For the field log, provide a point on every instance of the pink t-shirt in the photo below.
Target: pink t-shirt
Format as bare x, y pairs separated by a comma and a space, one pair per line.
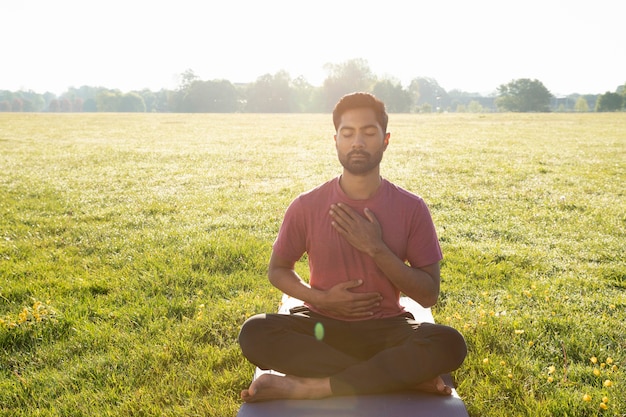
407, 229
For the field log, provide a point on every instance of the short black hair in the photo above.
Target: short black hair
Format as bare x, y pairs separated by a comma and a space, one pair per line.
360, 101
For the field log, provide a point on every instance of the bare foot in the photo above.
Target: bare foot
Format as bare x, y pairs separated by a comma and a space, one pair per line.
274, 387
435, 386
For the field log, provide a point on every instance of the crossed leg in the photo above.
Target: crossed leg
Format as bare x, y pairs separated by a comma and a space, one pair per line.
274, 387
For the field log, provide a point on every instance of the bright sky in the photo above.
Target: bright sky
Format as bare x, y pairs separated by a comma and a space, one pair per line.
571, 46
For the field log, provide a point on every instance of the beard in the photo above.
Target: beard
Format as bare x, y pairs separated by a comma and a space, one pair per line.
364, 164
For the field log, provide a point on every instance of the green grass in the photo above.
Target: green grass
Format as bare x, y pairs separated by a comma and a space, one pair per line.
132, 247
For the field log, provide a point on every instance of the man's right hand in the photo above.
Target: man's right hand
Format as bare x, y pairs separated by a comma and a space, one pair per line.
340, 301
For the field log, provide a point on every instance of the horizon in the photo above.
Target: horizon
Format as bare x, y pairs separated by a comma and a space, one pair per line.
491, 93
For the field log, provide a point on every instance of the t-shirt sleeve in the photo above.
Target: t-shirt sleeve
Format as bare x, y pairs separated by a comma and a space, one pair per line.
423, 246
290, 243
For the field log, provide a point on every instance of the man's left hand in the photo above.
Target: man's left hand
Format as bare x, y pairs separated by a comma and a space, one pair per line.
364, 233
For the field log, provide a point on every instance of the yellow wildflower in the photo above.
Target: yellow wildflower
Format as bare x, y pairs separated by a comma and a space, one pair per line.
23, 316
587, 398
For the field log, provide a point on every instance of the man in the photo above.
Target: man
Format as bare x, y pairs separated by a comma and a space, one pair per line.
367, 241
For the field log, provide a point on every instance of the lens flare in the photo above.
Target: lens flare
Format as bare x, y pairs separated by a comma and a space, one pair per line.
319, 331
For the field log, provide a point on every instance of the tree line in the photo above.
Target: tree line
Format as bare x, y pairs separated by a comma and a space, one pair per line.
279, 93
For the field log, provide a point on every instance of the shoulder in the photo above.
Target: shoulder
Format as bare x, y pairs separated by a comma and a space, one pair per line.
313, 199
402, 195
317, 193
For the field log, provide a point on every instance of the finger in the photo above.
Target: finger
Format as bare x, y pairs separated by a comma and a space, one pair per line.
365, 307
339, 215
370, 216
344, 212
339, 225
364, 296
338, 222
347, 210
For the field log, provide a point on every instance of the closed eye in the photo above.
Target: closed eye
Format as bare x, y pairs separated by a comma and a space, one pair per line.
347, 132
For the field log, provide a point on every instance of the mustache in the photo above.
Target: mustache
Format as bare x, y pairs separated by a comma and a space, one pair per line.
362, 153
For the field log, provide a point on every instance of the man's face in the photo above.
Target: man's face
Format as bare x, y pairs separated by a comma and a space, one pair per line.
360, 141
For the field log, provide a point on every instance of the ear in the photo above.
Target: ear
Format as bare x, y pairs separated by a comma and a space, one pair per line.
386, 139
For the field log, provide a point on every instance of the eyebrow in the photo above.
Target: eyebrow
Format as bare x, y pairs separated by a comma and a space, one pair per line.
371, 126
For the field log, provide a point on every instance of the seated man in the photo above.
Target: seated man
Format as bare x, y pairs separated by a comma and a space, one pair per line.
367, 241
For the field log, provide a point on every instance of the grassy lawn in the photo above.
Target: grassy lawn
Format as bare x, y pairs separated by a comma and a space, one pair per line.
132, 247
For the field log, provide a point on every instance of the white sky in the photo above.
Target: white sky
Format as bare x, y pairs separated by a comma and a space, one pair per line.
571, 46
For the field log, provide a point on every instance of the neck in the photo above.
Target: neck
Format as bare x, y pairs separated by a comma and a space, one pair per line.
360, 187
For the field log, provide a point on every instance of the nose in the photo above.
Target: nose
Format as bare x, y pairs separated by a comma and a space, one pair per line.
358, 142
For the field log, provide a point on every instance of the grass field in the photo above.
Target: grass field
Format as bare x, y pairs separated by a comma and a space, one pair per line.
132, 247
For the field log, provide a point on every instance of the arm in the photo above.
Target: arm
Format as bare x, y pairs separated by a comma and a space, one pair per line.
365, 234
338, 300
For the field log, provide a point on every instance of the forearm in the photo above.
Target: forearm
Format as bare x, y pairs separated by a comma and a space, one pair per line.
422, 285
339, 300
290, 283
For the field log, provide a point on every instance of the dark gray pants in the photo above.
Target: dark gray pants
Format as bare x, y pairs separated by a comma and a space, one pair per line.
362, 357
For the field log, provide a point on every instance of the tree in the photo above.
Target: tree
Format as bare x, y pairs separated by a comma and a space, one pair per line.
271, 94
149, 98
348, 77
84, 92
187, 78
54, 106
524, 95
17, 105
108, 101
66, 104
90, 105
78, 104
475, 107
581, 105
396, 99
427, 94
305, 97
609, 102
210, 97
175, 100
131, 103
622, 91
